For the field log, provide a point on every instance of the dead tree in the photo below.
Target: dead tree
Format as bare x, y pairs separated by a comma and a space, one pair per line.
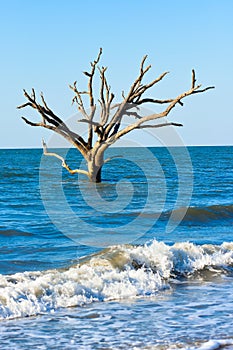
109, 126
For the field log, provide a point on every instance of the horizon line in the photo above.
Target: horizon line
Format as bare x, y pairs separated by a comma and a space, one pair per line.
150, 146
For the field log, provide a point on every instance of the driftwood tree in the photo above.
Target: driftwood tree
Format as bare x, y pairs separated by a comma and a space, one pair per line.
109, 126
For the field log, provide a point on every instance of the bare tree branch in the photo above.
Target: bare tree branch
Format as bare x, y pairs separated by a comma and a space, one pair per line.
172, 104
64, 164
51, 121
136, 91
141, 89
90, 122
193, 79
203, 90
110, 158
91, 97
78, 99
106, 97
158, 125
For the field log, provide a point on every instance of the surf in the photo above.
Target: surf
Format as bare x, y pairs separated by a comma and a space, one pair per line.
116, 273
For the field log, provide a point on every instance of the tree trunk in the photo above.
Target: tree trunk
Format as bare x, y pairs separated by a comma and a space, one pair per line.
94, 172
95, 164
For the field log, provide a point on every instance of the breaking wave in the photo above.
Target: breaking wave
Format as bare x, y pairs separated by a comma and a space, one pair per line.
204, 214
115, 273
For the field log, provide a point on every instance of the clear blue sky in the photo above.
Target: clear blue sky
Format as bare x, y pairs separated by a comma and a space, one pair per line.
47, 44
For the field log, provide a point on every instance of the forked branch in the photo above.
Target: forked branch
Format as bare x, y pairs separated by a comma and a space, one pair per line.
51, 121
172, 103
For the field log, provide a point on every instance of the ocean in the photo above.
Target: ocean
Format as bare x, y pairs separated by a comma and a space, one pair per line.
143, 260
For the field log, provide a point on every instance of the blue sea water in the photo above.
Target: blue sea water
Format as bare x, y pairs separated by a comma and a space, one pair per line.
143, 260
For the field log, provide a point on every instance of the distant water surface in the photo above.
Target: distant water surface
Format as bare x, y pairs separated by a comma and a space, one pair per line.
166, 289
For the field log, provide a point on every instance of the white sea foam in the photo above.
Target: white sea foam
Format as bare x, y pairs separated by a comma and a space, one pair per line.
217, 344
212, 344
115, 273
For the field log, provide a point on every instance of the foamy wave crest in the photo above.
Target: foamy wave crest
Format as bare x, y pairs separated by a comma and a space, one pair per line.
212, 344
118, 272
